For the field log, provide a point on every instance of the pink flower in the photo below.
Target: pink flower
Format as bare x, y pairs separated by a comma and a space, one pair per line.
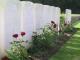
55, 25
52, 22
23, 33
65, 24
5, 58
15, 35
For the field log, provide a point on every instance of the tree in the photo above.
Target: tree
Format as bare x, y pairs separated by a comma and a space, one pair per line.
63, 4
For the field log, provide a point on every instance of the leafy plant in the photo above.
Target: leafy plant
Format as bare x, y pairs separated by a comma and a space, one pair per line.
44, 41
17, 51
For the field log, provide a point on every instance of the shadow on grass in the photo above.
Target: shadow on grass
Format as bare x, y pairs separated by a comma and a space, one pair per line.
61, 40
70, 50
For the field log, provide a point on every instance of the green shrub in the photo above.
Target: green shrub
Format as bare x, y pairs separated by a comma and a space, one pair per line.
43, 41
17, 51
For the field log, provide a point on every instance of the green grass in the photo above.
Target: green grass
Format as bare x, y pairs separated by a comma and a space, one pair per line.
72, 14
71, 49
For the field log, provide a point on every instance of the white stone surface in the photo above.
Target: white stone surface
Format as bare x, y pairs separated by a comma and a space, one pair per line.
2, 23
16, 16
38, 15
68, 16
57, 17
52, 13
27, 19
45, 16
12, 21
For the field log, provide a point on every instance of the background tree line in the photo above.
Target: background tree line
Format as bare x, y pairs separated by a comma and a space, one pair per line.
63, 4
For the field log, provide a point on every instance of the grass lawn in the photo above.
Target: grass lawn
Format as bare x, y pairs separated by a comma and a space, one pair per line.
71, 49
72, 14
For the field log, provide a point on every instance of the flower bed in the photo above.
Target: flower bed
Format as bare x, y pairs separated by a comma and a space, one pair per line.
43, 44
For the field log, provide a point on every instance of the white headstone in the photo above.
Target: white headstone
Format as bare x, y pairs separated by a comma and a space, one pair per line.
2, 23
27, 18
38, 15
68, 16
12, 21
45, 15
57, 17
52, 13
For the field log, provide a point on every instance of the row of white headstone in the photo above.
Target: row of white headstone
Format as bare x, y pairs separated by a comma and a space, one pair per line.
17, 16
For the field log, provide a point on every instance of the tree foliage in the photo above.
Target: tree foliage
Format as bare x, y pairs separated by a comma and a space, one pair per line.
63, 4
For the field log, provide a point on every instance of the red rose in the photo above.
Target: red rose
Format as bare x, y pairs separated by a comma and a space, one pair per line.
23, 33
52, 22
65, 24
15, 35
60, 30
5, 58
55, 25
